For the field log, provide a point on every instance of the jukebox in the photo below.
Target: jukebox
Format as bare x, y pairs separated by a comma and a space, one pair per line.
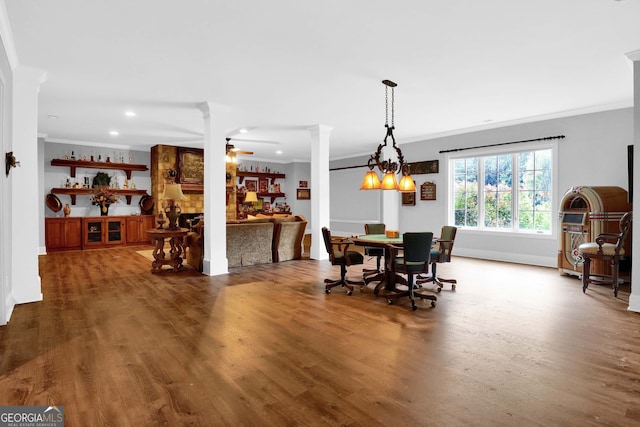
584, 213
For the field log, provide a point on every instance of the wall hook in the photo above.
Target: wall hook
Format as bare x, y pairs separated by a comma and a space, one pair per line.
10, 162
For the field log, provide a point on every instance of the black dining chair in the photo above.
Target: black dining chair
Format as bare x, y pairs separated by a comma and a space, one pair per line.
377, 275
339, 254
441, 253
416, 250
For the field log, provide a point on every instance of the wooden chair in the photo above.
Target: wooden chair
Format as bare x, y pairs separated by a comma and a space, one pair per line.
368, 274
339, 254
607, 247
416, 250
441, 254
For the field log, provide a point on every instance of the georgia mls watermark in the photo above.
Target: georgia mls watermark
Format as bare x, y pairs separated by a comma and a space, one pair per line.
31, 416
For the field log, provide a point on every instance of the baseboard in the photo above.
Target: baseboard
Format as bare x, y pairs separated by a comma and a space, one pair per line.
541, 261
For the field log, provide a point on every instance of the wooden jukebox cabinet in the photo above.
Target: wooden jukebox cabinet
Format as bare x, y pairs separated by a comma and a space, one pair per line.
584, 213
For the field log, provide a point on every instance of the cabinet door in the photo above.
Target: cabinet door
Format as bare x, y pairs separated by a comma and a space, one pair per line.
73, 233
137, 229
114, 232
63, 233
93, 231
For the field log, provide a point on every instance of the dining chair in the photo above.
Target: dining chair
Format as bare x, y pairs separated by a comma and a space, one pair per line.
608, 247
377, 275
416, 250
441, 253
339, 254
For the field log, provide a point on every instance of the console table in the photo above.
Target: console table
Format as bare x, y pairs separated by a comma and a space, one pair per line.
175, 237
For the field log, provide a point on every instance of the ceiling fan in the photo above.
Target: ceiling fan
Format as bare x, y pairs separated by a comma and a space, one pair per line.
231, 148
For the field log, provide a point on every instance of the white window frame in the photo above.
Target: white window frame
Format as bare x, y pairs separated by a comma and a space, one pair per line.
498, 150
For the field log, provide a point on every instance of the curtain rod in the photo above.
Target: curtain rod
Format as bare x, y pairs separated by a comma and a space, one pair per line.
503, 143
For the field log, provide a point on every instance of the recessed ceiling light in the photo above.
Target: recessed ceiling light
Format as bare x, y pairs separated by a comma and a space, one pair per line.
278, 151
243, 130
114, 133
130, 114
52, 117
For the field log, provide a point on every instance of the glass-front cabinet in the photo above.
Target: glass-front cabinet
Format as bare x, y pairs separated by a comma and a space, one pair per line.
103, 231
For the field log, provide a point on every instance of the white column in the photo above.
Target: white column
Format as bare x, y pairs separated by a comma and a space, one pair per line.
25, 196
215, 213
634, 298
320, 189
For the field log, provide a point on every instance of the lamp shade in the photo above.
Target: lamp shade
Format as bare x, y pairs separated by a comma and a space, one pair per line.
407, 184
389, 181
370, 181
173, 192
251, 196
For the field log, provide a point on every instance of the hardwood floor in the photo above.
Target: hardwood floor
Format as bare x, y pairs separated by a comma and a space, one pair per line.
264, 345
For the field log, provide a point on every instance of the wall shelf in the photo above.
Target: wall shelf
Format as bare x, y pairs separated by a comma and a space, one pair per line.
73, 192
73, 164
271, 176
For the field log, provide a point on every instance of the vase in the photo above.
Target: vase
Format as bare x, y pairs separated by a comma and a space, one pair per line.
104, 209
66, 210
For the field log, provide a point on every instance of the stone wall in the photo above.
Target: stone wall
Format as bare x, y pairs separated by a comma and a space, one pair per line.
164, 158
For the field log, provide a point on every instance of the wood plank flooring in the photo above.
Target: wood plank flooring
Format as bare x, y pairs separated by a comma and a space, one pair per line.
264, 345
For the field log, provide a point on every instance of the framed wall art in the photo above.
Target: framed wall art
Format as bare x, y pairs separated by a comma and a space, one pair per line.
251, 184
303, 194
409, 199
190, 166
428, 191
263, 185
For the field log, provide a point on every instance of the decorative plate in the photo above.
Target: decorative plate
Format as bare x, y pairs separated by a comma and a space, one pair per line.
146, 205
53, 202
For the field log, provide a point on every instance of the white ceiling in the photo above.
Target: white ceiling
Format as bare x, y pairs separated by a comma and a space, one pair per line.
280, 66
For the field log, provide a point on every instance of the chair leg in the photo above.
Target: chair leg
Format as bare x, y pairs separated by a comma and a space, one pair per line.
410, 292
343, 281
439, 281
586, 267
615, 269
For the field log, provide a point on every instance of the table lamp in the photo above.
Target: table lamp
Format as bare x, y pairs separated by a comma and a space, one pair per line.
251, 198
173, 192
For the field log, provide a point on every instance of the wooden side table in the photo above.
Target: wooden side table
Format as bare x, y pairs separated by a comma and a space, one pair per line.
176, 237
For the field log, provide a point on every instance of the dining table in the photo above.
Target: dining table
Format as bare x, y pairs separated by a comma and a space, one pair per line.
388, 277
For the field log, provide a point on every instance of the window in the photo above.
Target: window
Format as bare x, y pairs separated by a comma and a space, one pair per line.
503, 191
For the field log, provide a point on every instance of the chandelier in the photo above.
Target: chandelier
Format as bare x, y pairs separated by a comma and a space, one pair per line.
389, 168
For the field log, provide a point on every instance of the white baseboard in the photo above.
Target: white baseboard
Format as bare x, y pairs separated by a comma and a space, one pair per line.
550, 261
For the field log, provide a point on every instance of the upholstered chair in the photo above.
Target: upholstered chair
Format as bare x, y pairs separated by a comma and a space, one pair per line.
608, 247
339, 254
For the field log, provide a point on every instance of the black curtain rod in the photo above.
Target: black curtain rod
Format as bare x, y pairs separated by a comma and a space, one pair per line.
503, 143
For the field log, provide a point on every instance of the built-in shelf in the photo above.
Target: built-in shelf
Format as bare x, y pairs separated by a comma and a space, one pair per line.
268, 175
73, 192
73, 164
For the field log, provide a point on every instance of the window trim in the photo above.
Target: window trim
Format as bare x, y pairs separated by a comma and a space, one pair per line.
492, 151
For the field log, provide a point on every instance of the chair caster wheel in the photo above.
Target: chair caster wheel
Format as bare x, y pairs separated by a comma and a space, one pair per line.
439, 289
414, 307
433, 303
349, 293
390, 301
327, 291
453, 287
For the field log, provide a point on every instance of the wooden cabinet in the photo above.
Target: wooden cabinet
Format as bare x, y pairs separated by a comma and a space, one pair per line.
137, 227
63, 234
99, 232
74, 233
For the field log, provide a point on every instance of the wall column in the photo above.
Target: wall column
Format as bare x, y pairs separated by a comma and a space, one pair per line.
320, 189
25, 196
634, 298
215, 210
